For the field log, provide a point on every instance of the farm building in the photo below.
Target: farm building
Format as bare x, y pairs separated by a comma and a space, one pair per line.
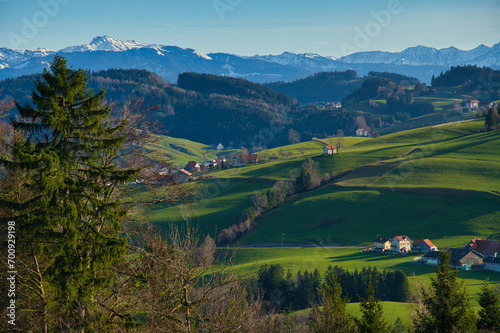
460, 258
487, 248
252, 159
492, 264
192, 166
423, 246
329, 150
382, 244
401, 244
472, 104
181, 176
362, 132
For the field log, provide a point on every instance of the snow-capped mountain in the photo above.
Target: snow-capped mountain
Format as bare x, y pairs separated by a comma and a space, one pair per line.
105, 52
105, 43
424, 56
10, 58
309, 60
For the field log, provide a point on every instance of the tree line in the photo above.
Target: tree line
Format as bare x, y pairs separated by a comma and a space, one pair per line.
308, 179
283, 290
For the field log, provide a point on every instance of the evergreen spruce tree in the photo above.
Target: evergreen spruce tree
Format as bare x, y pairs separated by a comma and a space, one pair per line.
372, 318
489, 315
491, 121
333, 317
446, 307
304, 180
70, 219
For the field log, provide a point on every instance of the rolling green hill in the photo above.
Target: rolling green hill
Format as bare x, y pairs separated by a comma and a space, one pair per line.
181, 151
427, 183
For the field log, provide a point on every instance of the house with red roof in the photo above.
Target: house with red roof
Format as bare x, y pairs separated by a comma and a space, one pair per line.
192, 166
423, 246
329, 150
401, 244
181, 176
488, 248
472, 104
252, 159
362, 132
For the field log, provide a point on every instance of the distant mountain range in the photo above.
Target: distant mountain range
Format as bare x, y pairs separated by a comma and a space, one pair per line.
168, 61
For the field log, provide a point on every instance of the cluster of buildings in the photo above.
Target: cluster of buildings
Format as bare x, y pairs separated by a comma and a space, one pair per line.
477, 252
403, 244
183, 175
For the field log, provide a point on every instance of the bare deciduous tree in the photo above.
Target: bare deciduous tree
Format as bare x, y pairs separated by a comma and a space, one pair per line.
340, 140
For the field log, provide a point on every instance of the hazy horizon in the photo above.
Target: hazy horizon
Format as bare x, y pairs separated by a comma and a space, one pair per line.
248, 28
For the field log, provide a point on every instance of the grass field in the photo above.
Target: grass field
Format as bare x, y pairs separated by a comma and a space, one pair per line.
441, 102
248, 261
223, 204
181, 151
344, 216
432, 119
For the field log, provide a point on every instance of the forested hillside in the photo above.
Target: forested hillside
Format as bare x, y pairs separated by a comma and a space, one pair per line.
332, 86
483, 83
214, 109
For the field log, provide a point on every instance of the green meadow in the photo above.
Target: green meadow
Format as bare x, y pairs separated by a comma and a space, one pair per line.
181, 151
248, 260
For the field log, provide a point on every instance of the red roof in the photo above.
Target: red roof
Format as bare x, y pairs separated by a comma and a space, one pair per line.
252, 157
485, 246
417, 242
361, 129
404, 237
474, 101
186, 172
330, 147
192, 164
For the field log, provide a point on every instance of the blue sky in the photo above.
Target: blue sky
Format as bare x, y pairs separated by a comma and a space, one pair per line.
248, 27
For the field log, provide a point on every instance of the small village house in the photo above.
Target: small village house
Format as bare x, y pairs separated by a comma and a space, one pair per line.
252, 158
472, 104
382, 244
329, 150
362, 132
460, 258
181, 176
192, 166
423, 246
401, 244
220, 146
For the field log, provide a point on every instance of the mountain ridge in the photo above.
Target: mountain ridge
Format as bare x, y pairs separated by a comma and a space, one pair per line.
105, 52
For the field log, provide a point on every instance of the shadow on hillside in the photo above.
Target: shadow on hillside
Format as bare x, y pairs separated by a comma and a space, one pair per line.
284, 167
466, 142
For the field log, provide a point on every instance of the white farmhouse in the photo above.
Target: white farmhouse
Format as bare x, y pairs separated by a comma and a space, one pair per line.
329, 150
